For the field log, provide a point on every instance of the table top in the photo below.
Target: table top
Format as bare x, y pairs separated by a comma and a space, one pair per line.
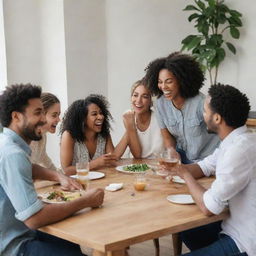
128, 216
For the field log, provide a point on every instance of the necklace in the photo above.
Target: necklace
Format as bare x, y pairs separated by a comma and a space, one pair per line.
142, 126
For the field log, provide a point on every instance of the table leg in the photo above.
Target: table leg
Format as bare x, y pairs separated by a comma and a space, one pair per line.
109, 253
177, 244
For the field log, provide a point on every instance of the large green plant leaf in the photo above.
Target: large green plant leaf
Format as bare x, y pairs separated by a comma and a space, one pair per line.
192, 17
212, 19
234, 20
234, 32
190, 8
200, 4
231, 47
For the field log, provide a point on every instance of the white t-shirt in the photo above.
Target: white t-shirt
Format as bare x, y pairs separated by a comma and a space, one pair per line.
151, 139
234, 164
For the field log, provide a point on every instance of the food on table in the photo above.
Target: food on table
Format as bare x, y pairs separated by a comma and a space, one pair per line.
136, 168
62, 196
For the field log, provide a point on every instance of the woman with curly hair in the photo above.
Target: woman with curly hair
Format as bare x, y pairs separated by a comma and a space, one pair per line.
85, 134
39, 155
176, 81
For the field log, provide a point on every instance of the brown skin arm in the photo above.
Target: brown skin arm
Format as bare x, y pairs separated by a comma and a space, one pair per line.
190, 173
66, 153
169, 140
51, 213
132, 135
121, 146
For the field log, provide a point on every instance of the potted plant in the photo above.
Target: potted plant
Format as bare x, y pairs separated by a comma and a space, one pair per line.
212, 19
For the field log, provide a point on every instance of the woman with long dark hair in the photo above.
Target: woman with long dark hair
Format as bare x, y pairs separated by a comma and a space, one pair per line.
86, 135
176, 81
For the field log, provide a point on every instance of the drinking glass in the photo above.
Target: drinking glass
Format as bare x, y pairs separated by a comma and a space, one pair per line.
168, 159
140, 182
82, 171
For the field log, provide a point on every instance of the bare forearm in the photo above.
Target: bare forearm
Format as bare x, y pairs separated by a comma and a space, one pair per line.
195, 170
70, 170
42, 173
134, 143
197, 191
121, 146
55, 212
169, 140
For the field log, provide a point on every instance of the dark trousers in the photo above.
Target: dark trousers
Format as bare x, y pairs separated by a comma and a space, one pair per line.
47, 245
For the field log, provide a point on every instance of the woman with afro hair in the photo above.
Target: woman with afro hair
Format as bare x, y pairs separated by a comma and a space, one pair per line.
86, 135
176, 81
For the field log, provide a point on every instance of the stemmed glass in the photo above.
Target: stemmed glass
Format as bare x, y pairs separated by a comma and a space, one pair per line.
82, 171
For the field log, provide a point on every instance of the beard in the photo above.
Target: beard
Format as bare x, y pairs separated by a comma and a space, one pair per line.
210, 131
29, 132
211, 128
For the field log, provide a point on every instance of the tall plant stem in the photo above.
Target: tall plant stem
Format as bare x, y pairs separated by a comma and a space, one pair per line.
216, 74
210, 74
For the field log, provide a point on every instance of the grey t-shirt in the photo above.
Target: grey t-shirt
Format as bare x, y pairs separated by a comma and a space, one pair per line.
81, 153
187, 126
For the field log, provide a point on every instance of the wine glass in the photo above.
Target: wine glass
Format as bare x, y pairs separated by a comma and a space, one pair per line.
82, 171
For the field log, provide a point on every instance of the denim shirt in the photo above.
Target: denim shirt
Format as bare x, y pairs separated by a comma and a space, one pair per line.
187, 126
18, 198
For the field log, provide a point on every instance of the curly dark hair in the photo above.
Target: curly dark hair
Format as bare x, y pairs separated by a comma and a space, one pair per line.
184, 67
15, 98
230, 103
73, 120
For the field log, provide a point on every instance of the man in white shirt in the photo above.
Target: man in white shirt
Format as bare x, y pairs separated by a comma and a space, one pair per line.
234, 164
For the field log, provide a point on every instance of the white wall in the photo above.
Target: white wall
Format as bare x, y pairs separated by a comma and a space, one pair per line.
138, 31
3, 71
35, 49
86, 56
74, 48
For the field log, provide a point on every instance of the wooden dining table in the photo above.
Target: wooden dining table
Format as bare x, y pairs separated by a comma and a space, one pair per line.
128, 216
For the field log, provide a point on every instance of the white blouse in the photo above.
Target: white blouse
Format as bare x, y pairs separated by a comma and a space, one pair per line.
151, 139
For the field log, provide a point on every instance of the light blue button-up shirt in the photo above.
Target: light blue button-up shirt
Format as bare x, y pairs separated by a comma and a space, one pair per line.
18, 198
187, 126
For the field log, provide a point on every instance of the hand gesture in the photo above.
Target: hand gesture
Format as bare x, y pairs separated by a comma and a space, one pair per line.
179, 170
107, 160
129, 120
68, 183
94, 197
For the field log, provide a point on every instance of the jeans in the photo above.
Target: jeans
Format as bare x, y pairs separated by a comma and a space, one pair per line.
184, 159
207, 241
45, 244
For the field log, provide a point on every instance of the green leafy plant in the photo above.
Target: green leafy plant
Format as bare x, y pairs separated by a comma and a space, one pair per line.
212, 19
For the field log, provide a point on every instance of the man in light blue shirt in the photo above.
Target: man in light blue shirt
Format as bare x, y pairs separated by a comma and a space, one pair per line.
21, 212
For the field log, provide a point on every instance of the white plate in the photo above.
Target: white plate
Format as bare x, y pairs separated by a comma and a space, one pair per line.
178, 179
121, 168
181, 199
44, 196
92, 175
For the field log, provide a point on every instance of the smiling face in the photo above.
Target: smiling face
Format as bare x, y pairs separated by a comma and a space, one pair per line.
95, 118
141, 99
31, 121
168, 84
52, 118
